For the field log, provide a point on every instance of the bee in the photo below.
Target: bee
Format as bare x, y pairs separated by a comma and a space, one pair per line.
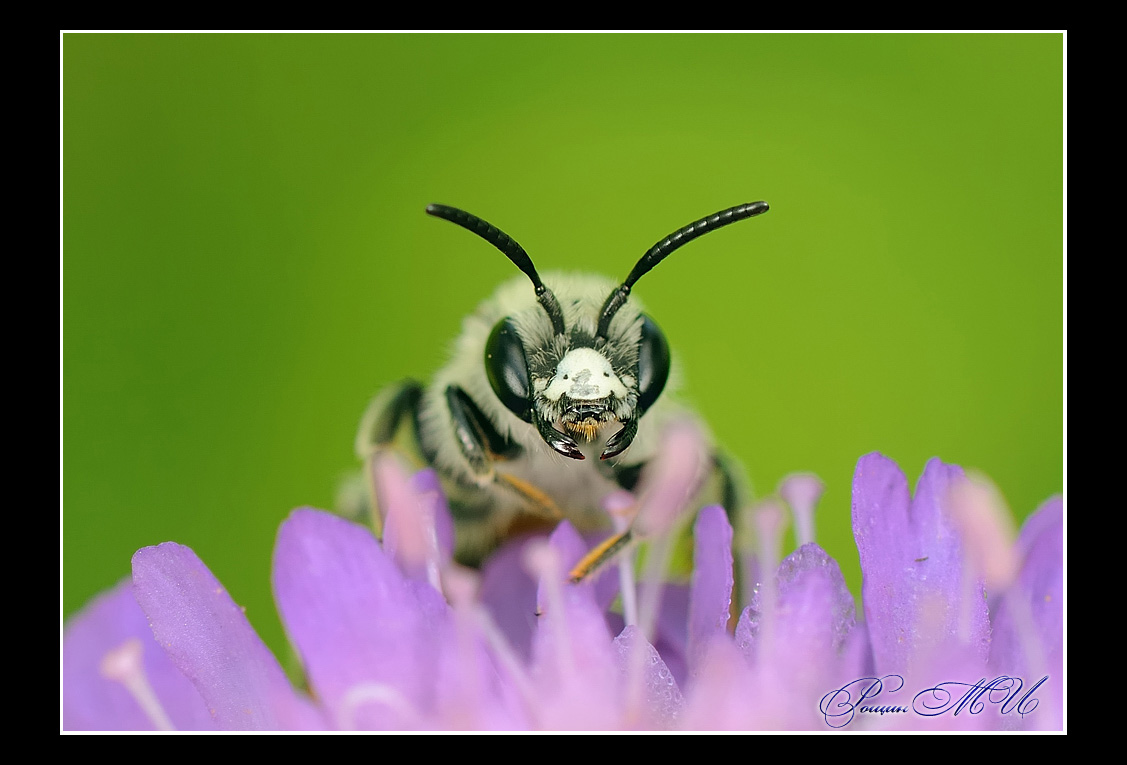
554, 397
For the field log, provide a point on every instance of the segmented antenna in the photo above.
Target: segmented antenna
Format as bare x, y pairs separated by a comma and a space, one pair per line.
663, 248
513, 252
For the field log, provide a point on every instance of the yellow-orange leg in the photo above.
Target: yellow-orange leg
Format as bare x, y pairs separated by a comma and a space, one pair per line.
601, 555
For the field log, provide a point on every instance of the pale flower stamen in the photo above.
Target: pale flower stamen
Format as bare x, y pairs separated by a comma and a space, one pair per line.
125, 665
543, 563
506, 656
987, 532
770, 522
802, 491
982, 520
622, 507
409, 532
381, 694
657, 565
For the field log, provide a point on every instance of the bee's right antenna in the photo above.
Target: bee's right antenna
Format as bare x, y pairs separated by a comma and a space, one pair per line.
659, 251
513, 252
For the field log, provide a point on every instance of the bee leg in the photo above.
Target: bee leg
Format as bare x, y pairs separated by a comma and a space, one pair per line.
482, 446
388, 422
723, 485
479, 441
385, 415
732, 490
627, 476
600, 555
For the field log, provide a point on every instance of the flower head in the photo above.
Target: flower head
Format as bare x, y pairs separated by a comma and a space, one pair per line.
392, 635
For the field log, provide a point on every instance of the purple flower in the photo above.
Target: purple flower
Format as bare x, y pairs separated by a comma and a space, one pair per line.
392, 635
924, 559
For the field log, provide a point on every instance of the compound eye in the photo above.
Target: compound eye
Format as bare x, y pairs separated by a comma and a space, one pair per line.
507, 369
653, 363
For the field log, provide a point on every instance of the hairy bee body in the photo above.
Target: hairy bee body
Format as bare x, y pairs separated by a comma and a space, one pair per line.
552, 399
486, 506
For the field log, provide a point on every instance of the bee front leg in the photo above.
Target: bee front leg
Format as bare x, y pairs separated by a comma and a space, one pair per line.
382, 420
482, 446
389, 422
730, 487
722, 485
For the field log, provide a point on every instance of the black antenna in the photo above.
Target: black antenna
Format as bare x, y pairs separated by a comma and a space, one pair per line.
661, 250
513, 252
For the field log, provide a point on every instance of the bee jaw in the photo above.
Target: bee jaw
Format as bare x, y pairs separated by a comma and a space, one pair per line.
585, 430
585, 420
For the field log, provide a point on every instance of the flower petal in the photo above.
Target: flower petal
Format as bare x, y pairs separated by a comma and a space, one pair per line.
508, 593
1028, 640
672, 640
429, 487
915, 598
573, 657
367, 635
417, 531
209, 639
672, 633
91, 701
809, 644
711, 600
814, 616
654, 691
723, 694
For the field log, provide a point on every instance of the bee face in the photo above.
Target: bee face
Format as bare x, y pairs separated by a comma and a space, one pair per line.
578, 388
584, 394
573, 378
584, 377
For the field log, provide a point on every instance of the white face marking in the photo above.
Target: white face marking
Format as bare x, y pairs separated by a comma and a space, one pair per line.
584, 374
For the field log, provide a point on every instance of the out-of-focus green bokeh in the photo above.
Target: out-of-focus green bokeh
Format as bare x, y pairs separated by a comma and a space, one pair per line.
246, 259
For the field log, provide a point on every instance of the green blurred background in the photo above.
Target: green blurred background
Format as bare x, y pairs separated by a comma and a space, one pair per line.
246, 259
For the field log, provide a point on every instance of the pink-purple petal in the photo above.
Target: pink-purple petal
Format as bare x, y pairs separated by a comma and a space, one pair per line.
508, 593
1028, 639
570, 548
915, 598
418, 529
1042, 571
574, 662
672, 633
91, 701
209, 639
712, 580
809, 643
818, 601
672, 639
654, 699
367, 635
724, 694
429, 488
583, 617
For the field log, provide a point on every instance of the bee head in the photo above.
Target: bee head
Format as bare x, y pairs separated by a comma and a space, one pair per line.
573, 384
576, 388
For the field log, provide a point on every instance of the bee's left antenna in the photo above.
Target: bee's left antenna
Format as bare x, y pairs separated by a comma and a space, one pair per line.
513, 252
659, 251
